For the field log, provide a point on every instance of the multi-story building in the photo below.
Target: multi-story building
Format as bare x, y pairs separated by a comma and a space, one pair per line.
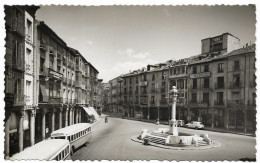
216, 87
105, 96
222, 87
99, 97
19, 78
47, 83
116, 95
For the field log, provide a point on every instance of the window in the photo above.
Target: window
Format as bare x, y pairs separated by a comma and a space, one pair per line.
152, 100
220, 83
174, 71
144, 77
236, 65
194, 97
130, 80
236, 81
194, 70
194, 83
221, 67
29, 29
163, 76
206, 97
182, 70
136, 80
51, 90
163, 85
220, 98
136, 89
153, 78
153, 87
206, 68
206, 82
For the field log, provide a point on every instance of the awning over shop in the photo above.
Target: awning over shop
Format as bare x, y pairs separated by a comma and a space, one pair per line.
91, 111
87, 110
94, 113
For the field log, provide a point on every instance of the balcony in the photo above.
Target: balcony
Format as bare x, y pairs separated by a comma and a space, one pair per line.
152, 103
183, 75
77, 68
144, 92
43, 46
59, 62
235, 104
69, 82
19, 100
54, 100
163, 102
59, 57
18, 27
18, 64
64, 80
44, 71
236, 68
198, 104
64, 62
235, 85
219, 86
143, 83
163, 90
78, 84
220, 103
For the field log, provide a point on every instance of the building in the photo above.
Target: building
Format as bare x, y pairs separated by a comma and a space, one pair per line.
116, 95
105, 96
47, 83
216, 87
99, 90
19, 78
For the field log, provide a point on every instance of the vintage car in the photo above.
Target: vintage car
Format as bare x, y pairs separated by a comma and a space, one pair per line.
195, 124
180, 123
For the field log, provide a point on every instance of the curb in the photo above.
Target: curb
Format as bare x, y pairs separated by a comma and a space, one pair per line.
207, 129
214, 145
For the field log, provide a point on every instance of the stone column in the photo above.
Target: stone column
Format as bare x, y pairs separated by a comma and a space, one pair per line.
20, 129
80, 116
227, 119
43, 124
148, 113
213, 118
66, 117
77, 116
245, 120
60, 117
32, 127
173, 125
53, 120
7, 135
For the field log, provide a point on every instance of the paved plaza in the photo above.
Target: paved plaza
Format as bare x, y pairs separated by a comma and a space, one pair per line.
112, 141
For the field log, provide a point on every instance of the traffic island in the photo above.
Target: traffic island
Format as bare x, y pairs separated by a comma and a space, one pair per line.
176, 147
171, 138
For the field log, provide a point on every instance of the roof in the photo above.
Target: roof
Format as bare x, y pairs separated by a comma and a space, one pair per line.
44, 150
212, 56
45, 27
72, 129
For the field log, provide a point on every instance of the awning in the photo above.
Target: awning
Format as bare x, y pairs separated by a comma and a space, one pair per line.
88, 111
94, 113
44, 94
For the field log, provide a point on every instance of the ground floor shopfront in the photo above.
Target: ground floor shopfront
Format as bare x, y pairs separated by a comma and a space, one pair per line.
25, 127
213, 117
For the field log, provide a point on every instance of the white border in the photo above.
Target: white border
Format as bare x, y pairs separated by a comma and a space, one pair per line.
117, 2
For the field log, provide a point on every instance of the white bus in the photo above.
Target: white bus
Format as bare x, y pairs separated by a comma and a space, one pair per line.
50, 149
77, 134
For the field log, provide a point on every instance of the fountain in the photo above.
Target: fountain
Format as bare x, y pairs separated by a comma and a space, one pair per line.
170, 136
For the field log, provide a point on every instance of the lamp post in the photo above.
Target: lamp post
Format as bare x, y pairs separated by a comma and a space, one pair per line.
173, 125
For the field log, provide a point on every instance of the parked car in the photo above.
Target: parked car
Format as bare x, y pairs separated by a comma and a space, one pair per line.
180, 123
195, 124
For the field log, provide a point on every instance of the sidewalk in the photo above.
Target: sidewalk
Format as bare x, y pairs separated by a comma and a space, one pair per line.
222, 130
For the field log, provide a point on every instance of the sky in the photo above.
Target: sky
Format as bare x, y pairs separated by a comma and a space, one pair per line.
117, 39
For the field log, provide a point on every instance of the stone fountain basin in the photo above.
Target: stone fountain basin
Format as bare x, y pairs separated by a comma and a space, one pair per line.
183, 139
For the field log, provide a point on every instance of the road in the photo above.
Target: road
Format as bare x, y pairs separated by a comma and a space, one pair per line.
112, 141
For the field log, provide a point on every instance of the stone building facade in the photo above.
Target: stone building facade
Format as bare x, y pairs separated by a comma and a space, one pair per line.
47, 83
216, 87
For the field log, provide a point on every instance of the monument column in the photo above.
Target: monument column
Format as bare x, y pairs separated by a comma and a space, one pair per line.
173, 124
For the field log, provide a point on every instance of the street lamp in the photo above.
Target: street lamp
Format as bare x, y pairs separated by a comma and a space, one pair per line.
173, 125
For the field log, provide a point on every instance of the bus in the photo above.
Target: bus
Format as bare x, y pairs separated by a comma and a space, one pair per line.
77, 134
51, 149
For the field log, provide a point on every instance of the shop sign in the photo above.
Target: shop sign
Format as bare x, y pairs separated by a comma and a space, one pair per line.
200, 75
55, 74
144, 83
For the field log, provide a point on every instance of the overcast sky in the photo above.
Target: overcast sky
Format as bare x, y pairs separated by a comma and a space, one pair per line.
117, 39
